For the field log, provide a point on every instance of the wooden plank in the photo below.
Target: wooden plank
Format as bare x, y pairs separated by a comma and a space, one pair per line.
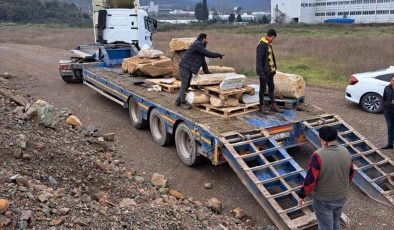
15, 98
225, 94
81, 54
229, 112
168, 85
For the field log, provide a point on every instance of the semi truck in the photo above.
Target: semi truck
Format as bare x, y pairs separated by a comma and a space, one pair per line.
254, 145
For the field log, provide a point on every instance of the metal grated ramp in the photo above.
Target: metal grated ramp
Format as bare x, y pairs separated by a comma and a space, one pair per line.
374, 171
271, 175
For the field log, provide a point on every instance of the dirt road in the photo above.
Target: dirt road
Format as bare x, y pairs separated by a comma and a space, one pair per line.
36, 68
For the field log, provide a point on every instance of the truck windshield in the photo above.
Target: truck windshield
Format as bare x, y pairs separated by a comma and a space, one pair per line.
151, 24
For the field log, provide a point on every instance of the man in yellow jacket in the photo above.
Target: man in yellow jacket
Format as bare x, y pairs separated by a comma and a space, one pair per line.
266, 70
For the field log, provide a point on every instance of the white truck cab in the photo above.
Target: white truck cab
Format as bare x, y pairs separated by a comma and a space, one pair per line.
121, 21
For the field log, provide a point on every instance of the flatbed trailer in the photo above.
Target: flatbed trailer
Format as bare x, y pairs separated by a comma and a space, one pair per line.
254, 145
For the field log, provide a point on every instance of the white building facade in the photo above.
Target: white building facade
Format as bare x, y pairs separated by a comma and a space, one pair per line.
317, 11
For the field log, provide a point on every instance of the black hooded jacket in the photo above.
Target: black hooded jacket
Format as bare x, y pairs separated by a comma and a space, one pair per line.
388, 97
194, 58
262, 63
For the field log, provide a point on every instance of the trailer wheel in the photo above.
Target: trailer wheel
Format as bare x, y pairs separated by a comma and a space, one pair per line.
135, 115
186, 145
158, 128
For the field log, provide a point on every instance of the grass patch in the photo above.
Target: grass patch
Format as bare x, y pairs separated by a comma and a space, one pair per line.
313, 72
322, 30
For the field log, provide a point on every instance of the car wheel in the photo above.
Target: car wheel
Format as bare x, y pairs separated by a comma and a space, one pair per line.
372, 103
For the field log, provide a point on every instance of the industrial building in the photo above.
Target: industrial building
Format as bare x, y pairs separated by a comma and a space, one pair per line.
320, 11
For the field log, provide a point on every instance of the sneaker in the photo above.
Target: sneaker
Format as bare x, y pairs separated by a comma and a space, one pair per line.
388, 146
186, 106
177, 103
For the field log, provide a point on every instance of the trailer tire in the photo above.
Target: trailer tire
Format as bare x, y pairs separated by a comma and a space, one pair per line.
186, 145
158, 128
135, 115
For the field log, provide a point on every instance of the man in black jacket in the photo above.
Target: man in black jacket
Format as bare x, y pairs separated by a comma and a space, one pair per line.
190, 64
266, 69
388, 100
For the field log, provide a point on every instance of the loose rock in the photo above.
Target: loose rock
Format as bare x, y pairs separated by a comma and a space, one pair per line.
215, 205
109, 137
73, 120
238, 213
175, 194
159, 180
208, 185
127, 203
26, 215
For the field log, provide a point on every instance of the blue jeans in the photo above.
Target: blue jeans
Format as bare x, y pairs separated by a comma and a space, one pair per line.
328, 213
389, 116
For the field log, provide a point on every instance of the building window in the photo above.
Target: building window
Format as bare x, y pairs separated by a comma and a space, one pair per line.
382, 1
321, 3
356, 2
332, 3
343, 2
369, 1
368, 12
382, 12
330, 14
320, 14
343, 13
355, 13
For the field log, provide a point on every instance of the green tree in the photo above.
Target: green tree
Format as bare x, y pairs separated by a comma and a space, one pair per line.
231, 18
205, 11
239, 18
264, 20
199, 11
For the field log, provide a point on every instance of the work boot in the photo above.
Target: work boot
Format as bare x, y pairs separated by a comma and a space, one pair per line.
275, 108
3, 205
186, 106
388, 146
263, 109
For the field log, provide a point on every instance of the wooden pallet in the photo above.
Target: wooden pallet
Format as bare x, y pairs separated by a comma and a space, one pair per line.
231, 111
225, 94
168, 85
287, 102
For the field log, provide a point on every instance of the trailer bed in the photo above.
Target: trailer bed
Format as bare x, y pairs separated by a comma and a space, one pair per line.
255, 146
214, 123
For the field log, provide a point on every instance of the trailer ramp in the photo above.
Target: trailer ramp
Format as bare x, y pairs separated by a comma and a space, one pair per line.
271, 175
374, 171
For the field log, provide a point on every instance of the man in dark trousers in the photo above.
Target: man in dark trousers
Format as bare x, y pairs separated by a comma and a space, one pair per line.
266, 69
328, 178
190, 64
388, 103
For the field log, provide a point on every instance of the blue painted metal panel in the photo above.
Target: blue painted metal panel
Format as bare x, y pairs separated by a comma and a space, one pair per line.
266, 121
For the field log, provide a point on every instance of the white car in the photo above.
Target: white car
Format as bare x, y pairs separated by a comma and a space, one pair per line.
367, 89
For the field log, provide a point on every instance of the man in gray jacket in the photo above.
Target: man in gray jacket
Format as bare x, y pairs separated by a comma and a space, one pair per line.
190, 64
329, 176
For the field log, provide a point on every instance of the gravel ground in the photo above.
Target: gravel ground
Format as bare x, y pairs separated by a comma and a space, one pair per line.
38, 66
70, 177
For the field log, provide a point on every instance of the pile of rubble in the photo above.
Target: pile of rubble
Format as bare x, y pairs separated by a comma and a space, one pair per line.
57, 174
